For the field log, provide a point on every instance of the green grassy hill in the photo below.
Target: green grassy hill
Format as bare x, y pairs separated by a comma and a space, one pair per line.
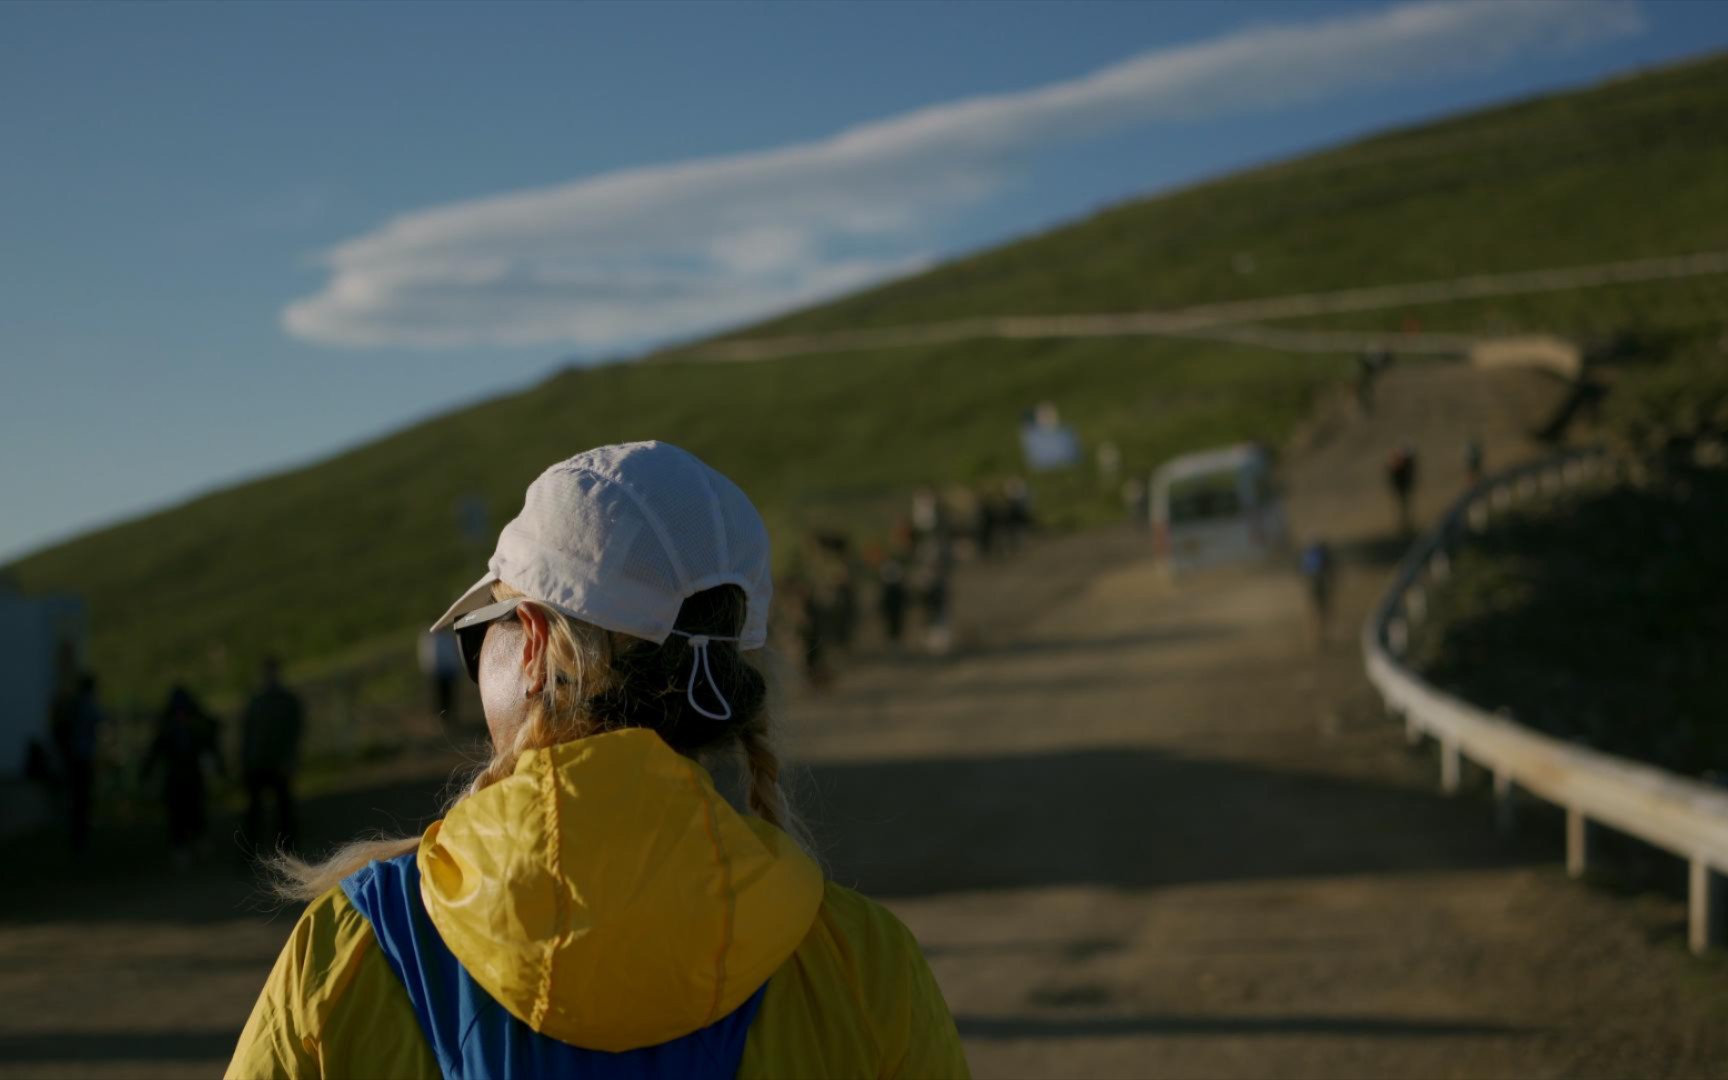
1635, 167
337, 564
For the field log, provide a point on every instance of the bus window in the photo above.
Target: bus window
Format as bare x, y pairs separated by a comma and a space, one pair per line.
1205, 498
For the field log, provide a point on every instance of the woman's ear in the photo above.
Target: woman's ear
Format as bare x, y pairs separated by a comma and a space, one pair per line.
536, 635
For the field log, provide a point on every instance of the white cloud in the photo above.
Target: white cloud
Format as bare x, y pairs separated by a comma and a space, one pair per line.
655, 253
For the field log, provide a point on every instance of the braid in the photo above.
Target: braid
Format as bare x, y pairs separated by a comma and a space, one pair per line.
764, 795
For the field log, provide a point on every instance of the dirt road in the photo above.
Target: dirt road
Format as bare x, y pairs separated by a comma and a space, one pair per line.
1146, 831
1142, 829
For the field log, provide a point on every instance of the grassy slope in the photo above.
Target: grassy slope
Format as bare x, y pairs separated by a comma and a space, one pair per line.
358, 552
1637, 167
346, 558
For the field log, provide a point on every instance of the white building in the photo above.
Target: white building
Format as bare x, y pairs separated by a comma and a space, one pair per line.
33, 631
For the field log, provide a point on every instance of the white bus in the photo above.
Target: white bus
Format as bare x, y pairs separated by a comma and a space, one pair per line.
1216, 507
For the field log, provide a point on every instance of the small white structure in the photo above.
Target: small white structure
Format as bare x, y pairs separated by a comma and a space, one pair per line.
34, 630
1216, 507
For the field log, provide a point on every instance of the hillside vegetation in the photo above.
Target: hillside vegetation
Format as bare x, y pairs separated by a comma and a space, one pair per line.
1636, 167
1599, 619
342, 561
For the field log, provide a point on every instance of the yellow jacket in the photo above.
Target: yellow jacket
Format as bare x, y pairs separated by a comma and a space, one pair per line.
606, 896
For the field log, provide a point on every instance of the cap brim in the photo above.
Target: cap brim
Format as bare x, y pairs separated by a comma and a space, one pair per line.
477, 596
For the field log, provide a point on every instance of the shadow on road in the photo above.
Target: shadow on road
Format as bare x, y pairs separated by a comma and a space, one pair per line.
127, 875
1142, 639
1031, 1027
199, 1047
1379, 552
1126, 818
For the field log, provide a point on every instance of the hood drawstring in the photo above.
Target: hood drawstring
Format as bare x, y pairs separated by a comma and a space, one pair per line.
699, 666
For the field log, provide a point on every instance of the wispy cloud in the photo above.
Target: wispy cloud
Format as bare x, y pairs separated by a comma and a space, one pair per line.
655, 253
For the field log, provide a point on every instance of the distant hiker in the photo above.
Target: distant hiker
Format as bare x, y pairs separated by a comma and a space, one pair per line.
929, 516
1137, 501
184, 742
992, 520
1401, 478
891, 591
809, 622
1370, 363
269, 754
441, 663
930, 579
1317, 571
1019, 519
834, 587
1473, 459
77, 719
932, 563
591, 904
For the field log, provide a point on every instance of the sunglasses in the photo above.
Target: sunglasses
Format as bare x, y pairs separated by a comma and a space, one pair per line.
471, 631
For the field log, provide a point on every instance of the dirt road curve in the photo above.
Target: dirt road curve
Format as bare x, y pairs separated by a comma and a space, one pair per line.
1142, 829
1147, 833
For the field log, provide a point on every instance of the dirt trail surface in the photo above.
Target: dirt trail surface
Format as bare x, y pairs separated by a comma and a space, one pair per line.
1142, 829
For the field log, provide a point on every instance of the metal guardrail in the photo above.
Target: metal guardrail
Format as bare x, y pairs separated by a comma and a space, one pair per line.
1683, 816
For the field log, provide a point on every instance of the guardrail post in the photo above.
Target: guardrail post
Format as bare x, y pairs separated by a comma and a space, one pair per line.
1705, 913
1416, 604
1412, 731
1397, 637
1505, 802
1577, 843
1451, 766
1440, 566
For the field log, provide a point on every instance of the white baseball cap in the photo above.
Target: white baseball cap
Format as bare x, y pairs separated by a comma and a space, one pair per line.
620, 536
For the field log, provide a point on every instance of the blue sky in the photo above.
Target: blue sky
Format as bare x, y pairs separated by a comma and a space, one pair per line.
235, 238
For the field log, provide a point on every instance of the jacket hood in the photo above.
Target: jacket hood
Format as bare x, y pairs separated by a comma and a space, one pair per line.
607, 896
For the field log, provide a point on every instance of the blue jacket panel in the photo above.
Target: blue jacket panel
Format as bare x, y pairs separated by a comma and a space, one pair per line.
473, 1037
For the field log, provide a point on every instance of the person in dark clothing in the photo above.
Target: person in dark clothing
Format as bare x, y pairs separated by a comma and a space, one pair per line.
835, 587
77, 717
1017, 520
891, 575
1370, 364
269, 751
809, 620
992, 516
1317, 575
932, 561
185, 737
1401, 476
1473, 459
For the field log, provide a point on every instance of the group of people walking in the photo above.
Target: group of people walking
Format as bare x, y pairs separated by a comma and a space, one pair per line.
181, 756
909, 577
